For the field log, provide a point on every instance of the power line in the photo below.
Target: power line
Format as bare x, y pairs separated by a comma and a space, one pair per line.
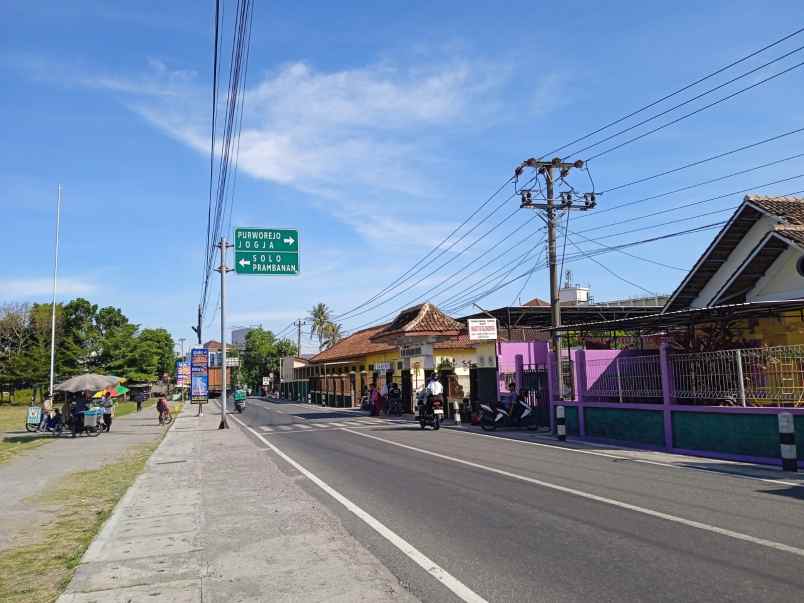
701, 161
703, 183
694, 203
611, 271
695, 112
396, 281
581, 256
676, 92
690, 100
449, 261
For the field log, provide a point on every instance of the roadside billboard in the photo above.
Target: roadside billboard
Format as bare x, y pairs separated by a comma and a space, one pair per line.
182, 373
199, 376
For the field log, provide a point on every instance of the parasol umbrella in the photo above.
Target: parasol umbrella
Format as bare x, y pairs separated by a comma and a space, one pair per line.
114, 391
90, 382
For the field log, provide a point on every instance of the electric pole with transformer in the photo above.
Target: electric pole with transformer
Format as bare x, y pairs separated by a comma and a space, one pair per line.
546, 169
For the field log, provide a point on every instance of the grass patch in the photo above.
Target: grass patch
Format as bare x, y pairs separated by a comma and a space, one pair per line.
126, 408
39, 570
12, 419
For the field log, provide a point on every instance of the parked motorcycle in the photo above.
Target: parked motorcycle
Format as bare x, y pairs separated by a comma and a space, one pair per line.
429, 409
395, 401
520, 415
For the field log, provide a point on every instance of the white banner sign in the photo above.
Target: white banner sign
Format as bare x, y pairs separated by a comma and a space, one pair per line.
482, 329
266, 381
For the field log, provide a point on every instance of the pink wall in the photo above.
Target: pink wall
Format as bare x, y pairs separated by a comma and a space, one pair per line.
532, 352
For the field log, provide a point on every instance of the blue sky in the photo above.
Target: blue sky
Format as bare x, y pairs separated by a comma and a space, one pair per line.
375, 129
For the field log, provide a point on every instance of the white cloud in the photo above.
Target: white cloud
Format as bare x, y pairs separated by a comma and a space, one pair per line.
26, 288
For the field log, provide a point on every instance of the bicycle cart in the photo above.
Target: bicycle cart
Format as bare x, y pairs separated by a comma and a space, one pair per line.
33, 418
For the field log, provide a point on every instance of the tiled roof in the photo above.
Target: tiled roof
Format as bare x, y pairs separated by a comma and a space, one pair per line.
538, 302
360, 344
795, 235
357, 344
424, 319
789, 209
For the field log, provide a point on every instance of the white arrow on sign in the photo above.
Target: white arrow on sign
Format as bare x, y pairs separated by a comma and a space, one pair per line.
244, 262
289, 240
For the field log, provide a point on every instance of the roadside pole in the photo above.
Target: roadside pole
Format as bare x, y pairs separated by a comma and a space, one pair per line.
545, 169
223, 269
53, 309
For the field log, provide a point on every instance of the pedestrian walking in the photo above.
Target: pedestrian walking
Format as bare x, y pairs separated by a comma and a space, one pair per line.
108, 411
375, 400
139, 400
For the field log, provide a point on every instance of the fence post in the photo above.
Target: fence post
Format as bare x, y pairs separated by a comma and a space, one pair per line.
787, 442
665, 370
619, 379
561, 423
740, 382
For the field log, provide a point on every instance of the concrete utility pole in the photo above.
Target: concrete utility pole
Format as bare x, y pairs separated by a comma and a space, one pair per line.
197, 328
298, 324
546, 169
223, 269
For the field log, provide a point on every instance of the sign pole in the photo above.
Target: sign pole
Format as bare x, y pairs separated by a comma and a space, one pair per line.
223, 269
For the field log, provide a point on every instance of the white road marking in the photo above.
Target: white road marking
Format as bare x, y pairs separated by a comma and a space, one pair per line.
601, 499
266, 428
460, 590
304, 427
339, 424
620, 457
285, 427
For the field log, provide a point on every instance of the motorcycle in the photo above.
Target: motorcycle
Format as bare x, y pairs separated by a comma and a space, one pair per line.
520, 415
395, 403
430, 411
240, 400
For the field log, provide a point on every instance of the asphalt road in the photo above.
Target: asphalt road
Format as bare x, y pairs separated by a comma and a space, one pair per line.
517, 522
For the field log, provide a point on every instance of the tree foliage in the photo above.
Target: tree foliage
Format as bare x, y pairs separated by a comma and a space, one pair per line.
262, 355
88, 339
323, 327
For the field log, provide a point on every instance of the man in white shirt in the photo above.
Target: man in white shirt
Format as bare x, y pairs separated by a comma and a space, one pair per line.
434, 388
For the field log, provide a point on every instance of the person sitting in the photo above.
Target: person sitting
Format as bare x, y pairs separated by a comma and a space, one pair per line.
435, 391
56, 422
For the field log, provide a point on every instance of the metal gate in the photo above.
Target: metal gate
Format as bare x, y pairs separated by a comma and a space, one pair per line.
534, 382
407, 391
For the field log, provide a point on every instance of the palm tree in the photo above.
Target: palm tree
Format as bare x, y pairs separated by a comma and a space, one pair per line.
320, 317
332, 334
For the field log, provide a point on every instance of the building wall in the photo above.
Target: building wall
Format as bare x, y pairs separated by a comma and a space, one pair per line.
732, 263
781, 281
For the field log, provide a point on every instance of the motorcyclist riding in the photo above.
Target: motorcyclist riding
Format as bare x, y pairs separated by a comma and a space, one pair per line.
435, 391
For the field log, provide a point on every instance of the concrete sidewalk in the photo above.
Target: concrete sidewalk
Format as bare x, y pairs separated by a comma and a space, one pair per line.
213, 518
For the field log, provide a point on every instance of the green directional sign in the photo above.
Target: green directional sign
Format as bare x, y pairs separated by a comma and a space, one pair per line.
266, 251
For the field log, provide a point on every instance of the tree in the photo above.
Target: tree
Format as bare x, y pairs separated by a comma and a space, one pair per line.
321, 318
332, 335
79, 347
151, 356
262, 355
